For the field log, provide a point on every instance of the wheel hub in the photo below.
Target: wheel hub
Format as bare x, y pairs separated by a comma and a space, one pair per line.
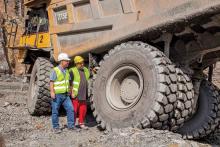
129, 89
124, 88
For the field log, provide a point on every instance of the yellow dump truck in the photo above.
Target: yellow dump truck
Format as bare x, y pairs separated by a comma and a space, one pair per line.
150, 56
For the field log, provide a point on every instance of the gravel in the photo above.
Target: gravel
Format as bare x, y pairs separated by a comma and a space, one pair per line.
22, 130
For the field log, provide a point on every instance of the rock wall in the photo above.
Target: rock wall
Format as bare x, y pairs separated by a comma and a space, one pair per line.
10, 9
4, 68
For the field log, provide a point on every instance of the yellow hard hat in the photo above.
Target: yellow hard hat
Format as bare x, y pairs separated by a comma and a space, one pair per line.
78, 59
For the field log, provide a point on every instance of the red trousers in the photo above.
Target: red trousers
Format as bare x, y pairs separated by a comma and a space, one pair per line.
80, 108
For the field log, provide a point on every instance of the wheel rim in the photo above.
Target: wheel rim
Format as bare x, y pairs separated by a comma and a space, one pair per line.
124, 88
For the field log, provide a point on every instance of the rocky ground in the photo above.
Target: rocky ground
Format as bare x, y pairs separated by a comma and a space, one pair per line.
22, 130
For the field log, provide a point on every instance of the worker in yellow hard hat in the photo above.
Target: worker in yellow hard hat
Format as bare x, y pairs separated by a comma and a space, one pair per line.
78, 59
79, 84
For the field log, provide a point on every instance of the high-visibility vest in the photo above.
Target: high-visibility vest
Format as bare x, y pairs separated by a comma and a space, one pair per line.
61, 85
76, 80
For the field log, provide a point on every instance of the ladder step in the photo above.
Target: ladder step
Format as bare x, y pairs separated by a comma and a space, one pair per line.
13, 33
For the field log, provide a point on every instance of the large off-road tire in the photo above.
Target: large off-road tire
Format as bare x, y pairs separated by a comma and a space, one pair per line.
38, 93
205, 119
216, 81
218, 127
183, 107
135, 86
213, 137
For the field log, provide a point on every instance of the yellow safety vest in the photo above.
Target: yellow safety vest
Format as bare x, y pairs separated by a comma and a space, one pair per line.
61, 85
76, 80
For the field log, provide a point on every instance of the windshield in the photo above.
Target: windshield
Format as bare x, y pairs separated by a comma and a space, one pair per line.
37, 21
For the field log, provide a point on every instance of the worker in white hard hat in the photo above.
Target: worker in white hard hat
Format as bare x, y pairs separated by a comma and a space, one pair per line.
60, 93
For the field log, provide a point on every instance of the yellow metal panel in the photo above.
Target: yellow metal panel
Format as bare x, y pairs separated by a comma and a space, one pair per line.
43, 40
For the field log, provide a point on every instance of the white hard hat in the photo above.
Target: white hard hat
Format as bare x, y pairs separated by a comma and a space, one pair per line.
63, 56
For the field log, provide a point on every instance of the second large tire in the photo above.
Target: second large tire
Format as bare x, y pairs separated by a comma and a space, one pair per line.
205, 119
38, 93
153, 83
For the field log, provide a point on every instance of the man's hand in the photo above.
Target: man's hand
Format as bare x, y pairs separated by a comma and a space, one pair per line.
70, 90
94, 70
52, 94
72, 96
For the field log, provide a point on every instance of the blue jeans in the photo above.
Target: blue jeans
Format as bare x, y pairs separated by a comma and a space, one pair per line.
62, 99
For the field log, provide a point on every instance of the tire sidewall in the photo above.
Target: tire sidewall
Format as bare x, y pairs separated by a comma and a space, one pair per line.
32, 98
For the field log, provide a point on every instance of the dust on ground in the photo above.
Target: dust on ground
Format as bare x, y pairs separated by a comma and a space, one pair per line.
22, 130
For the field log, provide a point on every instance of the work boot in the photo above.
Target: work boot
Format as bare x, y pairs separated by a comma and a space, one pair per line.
83, 127
57, 130
74, 129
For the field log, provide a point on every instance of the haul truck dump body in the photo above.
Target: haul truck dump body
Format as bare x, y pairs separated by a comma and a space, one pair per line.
92, 24
149, 56
80, 26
